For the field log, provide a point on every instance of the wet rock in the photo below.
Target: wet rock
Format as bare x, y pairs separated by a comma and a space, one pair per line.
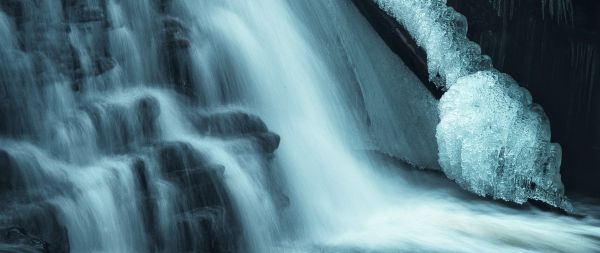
148, 202
237, 124
175, 33
268, 141
202, 186
174, 24
34, 225
13, 8
103, 64
16, 239
399, 41
178, 41
179, 156
149, 108
207, 219
10, 180
148, 112
73, 68
140, 172
174, 37
84, 13
121, 127
194, 175
209, 229
179, 68
113, 124
163, 5
5, 165
25, 209
233, 123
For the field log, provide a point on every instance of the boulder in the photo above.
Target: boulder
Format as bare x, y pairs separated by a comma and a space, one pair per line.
206, 218
237, 124
231, 123
209, 229
148, 111
202, 186
268, 141
175, 33
193, 173
179, 156
16, 239
103, 64
34, 225
25, 210
174, 37
148, 203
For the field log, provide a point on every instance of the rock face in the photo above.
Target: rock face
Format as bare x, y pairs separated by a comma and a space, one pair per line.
203, 218
123, 126
174, 36
27, 222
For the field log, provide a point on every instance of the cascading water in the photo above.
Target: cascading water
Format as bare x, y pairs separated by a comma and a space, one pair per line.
133, 126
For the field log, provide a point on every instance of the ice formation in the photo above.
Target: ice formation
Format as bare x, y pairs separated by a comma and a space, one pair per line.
492, 139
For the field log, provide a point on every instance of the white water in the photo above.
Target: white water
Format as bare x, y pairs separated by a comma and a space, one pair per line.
337, 200
317, 74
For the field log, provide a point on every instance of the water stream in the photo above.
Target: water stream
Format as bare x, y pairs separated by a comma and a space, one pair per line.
233, 126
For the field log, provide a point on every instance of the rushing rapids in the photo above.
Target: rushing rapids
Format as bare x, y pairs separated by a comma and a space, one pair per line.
232, 126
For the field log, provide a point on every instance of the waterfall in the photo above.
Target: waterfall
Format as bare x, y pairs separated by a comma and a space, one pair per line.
230, 126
